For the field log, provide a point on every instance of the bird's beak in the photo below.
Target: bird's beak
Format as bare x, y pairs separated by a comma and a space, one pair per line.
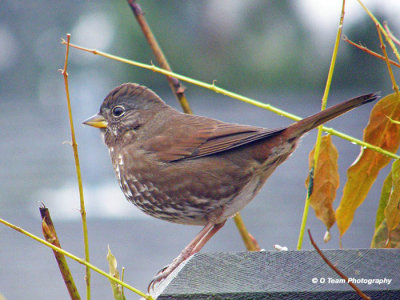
97, 121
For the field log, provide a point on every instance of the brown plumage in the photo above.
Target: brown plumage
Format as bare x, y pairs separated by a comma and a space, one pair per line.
189, 169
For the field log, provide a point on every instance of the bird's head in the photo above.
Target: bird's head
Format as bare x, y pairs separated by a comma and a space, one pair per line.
125, 109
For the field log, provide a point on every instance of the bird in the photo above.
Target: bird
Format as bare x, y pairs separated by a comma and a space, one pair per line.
191, 169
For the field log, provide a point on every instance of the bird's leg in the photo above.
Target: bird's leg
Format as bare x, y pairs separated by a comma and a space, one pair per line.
207, 237
193, 247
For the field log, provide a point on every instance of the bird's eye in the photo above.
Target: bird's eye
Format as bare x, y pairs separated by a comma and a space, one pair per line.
118, 111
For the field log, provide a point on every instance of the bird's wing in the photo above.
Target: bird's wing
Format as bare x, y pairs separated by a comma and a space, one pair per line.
199, 136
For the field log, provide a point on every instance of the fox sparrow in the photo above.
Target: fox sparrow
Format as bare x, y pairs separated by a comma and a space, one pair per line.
189, 169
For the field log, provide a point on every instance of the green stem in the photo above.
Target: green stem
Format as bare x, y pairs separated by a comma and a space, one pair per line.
248, 100
78, 171
79, 260
320, 128
387, 37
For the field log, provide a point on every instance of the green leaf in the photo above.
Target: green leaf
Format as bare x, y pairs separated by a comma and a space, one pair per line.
385, 193
381, 238
387, 229
392, 210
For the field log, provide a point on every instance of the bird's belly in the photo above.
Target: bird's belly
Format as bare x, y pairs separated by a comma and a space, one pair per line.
185, 209
150, 199
239, 201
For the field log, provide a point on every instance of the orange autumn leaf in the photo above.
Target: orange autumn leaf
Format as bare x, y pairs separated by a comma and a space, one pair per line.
383, 133
326, 181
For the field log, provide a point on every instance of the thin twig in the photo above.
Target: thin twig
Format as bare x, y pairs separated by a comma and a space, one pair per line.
176, 87
390, 34
236, 96
383, 47
365, 49
392, 45
49, 233
320, 129
79, 260
327, 261
78, 169
173, 82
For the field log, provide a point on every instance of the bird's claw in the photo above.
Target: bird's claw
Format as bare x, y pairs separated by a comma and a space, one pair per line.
158, 278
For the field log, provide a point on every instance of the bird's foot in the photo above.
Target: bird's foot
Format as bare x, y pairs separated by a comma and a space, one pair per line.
194, 246
166, 271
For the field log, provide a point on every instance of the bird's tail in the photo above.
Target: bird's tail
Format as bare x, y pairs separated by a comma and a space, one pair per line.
301, 127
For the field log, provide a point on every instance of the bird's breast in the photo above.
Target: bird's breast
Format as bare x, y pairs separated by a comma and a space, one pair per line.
147, 186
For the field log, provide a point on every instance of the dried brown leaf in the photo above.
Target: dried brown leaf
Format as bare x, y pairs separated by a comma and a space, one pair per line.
326, 181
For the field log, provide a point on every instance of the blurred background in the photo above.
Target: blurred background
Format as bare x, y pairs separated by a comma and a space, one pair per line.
277, 52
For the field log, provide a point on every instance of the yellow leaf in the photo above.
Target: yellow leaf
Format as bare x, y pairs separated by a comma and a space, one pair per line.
118, 291
326, 181
381, 132
392, 210
112, 264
